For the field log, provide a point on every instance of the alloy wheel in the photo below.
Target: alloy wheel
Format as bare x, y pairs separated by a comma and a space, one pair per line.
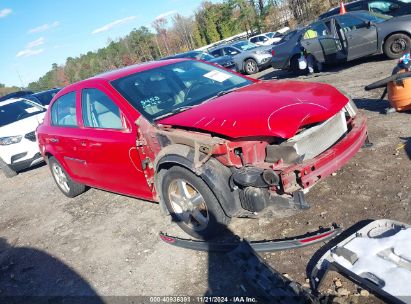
61, 178
188, 204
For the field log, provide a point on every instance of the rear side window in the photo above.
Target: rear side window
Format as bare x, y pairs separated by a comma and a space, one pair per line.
63, 111
99, 111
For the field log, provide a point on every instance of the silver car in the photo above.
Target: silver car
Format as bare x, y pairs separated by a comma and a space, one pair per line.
345, 37
248, 57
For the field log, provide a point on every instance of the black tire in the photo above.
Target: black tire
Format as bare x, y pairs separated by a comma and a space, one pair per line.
7, 171
209, 206
250, 66
294, 67
397, 45
73, 189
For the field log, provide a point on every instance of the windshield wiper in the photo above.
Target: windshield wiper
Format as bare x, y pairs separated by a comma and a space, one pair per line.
174, 111
184, 108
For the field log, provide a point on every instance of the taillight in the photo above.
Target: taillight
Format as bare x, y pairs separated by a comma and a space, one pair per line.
272, 52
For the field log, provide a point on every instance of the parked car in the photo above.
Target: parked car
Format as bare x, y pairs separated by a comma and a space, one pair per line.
224, 61
388, 7
44, 97
248, 57
15, 95
205, 143
266, 38
344, 38
19, 149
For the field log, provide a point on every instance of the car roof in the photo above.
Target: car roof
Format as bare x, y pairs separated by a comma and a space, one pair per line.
347, 13
120, 73
46, 91
140, 67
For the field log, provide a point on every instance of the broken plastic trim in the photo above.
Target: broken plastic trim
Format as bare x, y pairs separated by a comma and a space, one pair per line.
321, 235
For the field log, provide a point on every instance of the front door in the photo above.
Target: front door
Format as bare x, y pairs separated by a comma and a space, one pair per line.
109, 146
319, 41
357, 36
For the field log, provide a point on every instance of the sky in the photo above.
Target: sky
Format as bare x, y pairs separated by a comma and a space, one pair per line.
34, 34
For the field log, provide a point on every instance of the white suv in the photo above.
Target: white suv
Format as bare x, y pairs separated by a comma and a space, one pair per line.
19, 150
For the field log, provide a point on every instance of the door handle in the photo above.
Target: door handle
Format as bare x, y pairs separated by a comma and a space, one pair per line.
350, 37
54, 140
83, 143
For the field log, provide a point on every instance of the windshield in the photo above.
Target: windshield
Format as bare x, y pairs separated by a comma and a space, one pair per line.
373, 17
405, 1
18, 110
245, 45
166, 89
270, 35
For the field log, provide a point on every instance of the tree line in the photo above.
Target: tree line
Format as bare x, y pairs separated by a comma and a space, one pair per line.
210, 23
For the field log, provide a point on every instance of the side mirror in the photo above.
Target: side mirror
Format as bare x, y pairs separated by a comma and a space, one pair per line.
394, 7
370, 24
233, 53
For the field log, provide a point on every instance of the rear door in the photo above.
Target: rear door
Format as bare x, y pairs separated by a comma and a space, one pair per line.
359, 38
109, 145
319, 41
62, 136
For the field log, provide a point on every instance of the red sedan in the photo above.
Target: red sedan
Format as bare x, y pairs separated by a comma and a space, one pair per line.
206, 143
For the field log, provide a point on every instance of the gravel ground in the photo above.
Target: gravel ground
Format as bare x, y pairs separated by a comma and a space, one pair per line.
105, 244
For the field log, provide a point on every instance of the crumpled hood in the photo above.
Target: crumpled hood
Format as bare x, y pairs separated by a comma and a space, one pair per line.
22, 127
269, 108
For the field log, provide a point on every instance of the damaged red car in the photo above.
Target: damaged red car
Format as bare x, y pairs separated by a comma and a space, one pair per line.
206, 143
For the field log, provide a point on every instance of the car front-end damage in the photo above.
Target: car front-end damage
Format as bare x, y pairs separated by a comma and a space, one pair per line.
259, 175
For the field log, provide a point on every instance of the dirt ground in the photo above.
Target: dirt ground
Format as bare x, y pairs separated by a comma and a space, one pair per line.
107, 245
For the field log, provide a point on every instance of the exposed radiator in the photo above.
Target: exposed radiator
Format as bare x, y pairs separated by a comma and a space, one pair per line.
315, 140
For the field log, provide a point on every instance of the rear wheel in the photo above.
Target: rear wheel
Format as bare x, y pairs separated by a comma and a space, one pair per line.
250, 66
7, 171
192, 204
397, 45
63, 181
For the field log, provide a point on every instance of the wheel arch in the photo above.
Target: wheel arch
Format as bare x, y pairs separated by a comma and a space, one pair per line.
381, 47
212, 172
248, 58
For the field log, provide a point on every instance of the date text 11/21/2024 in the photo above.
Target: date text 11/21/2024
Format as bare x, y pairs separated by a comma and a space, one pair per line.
202, 299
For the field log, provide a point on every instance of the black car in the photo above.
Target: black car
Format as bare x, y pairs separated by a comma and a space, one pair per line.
44, 97
388, 7
225, 61
16, 95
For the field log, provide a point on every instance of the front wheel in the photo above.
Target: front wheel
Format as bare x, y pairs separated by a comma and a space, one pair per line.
192, 204
397, 45
250, 66
64, 182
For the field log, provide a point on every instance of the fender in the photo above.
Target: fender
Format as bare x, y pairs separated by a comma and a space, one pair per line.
212, 172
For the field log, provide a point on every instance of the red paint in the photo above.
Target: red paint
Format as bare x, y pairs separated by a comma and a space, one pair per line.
253, 116
321, 236
271, 108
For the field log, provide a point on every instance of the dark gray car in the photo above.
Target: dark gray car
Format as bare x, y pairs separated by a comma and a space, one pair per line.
344, 38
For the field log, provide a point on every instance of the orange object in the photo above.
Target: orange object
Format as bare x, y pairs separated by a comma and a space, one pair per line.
399, 94
342, 8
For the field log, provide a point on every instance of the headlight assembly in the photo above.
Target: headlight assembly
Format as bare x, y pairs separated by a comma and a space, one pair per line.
9, 140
